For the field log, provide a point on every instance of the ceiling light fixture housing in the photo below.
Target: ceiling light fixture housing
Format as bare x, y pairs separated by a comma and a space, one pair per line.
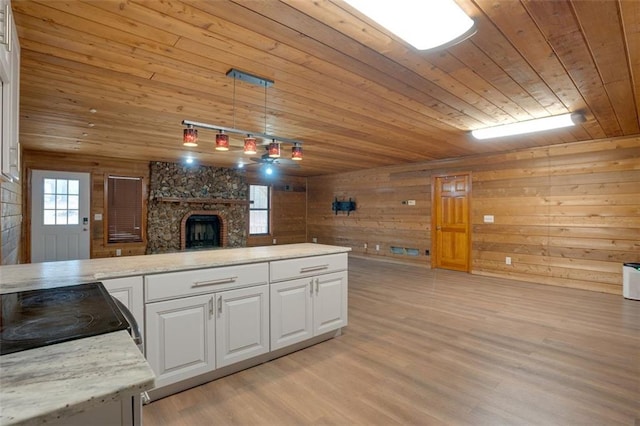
424, 24
530, 126
274, 150
296, 152
222, 141
250, 145
190, 136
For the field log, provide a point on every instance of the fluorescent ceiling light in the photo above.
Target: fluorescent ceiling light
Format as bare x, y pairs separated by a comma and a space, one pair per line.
424, 24
537, 125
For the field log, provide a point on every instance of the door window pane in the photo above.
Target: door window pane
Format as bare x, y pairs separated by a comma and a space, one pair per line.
59, 207
74, 187
49, 186
61, 186
49, 217
49, 201
61, 217
73, 202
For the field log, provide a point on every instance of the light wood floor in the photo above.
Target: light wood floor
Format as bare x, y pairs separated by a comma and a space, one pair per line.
437, 347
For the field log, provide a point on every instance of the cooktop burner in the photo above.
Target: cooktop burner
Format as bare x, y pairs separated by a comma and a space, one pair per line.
30, 319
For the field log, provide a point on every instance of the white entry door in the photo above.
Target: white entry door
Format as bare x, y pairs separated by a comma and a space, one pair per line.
59, 216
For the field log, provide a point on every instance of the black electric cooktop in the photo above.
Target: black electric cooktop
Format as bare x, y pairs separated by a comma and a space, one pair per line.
30, 319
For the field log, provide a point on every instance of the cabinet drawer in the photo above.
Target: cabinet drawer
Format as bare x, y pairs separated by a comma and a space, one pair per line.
307, 266
186, 283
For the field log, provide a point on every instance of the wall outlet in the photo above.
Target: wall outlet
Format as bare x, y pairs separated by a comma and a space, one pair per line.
411, 202
488, 218
365, 245
507, 260
97, 216
314, 240
118, 252
377, 247
274, 241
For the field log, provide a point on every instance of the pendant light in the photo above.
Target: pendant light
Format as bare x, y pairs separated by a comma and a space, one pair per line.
250, 146
296, 152
190, 136
222, 141
274, 149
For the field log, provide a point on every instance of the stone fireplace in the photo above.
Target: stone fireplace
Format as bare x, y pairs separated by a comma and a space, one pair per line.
196, 207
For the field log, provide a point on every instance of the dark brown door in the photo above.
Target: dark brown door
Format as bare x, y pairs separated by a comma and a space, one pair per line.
451, 234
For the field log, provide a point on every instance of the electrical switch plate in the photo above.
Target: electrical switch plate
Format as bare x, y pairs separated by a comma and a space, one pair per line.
488, 218
377, 247
118, 252
274, 241
365, 245
412, 202
507, 260
97, 216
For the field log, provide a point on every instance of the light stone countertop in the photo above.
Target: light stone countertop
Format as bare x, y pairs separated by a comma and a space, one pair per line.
42, 384
56, 274
57, 381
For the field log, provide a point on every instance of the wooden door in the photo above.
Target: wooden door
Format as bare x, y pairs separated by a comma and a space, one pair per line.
180, 338
451, 233
60, 203
242, 324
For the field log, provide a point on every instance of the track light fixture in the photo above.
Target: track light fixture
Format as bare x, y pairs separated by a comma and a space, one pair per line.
190, 133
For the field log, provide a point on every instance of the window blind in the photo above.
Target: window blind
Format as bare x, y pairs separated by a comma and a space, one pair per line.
124, 209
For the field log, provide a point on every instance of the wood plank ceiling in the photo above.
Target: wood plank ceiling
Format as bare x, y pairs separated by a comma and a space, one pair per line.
354, 94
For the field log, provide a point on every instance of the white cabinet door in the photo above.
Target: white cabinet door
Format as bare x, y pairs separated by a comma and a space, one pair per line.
180, 336
242, 324
129, 291
329, 302
291, 312
307, 307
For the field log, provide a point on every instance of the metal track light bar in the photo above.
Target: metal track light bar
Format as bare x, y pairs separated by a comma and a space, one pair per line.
240, 131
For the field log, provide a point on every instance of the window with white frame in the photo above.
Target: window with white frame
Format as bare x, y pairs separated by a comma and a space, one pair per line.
259, 209
61, 201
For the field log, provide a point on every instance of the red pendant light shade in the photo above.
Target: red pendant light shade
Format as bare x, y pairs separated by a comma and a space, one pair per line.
250, 145
222, 142
274, 149
190, 137
296, 152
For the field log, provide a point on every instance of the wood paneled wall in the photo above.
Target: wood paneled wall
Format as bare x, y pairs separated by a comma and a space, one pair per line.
567, 215
288, 209
99, 168
10, 223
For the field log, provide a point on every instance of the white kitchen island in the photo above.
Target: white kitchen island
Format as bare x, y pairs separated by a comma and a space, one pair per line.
298, 289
